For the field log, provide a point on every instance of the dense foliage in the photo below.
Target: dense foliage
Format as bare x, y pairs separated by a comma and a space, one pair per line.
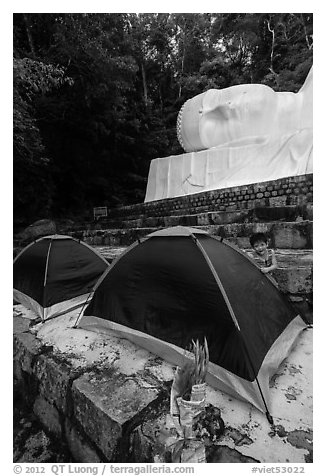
96, 96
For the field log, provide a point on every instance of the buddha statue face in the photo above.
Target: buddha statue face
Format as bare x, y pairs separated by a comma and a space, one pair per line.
240, 115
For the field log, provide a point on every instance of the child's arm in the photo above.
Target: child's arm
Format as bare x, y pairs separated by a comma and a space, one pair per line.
268, 269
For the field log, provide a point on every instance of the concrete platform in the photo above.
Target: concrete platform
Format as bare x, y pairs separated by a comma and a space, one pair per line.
98, 391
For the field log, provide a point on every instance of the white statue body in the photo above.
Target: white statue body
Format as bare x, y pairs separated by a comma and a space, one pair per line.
236, 136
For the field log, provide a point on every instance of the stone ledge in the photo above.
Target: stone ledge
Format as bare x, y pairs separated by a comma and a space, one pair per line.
118, 405
295, 235
260, 212
26, 349
54, 377
104, 403
90, 406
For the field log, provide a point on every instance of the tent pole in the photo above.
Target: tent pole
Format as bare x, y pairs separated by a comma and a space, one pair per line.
268, 415
218, 281
45, 277
82, 309
220, 285
136, 243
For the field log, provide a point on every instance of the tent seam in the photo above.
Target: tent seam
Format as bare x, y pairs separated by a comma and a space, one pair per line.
45, 276
106, 272
225, 295
218, 281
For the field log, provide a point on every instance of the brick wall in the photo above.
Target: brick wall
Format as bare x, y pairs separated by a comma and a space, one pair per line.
286, 191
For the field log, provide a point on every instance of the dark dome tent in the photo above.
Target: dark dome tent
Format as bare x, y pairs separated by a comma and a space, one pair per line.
179, 284
55, 274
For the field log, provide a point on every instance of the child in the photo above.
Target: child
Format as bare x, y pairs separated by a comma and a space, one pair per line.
259, 243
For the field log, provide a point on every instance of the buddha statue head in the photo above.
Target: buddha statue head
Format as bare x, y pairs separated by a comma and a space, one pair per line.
243, 114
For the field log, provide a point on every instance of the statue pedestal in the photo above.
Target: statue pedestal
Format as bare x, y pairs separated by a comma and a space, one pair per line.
252, 160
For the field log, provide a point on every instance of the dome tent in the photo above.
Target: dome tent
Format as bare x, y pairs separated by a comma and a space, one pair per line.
180, 284
55, 274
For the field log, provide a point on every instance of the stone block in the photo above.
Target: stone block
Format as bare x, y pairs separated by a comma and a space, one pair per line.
294, 279
21, 324
188, 220
81, 449
241, 241
48, 416
18, 376
144, 439
277, 201
308, 213
302, 200
54, 378
258, 228
134, 223
232, 207
293, 235
170, 221
203, 219
105, 403
26, 348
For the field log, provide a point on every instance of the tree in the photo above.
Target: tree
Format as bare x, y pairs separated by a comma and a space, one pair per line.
31, 79
96, 96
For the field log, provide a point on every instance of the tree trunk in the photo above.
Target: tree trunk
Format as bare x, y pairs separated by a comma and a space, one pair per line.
143, 74
29, 35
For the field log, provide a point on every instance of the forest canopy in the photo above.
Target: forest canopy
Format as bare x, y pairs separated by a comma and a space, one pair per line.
96, 96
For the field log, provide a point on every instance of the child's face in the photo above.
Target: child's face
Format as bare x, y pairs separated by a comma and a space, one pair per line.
260, 247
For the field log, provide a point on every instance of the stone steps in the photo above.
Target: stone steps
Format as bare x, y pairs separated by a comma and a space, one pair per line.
286, 213
289, 191
283, 235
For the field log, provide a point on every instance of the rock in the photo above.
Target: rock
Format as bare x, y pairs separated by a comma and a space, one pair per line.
105, 403
31, 444
224, 454
36, 230
48, 416
26, 348
80, 448
54, 377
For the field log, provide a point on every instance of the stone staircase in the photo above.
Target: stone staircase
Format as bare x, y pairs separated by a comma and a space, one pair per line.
282, 209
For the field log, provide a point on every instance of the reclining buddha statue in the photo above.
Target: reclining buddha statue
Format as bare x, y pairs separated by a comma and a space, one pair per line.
236, 136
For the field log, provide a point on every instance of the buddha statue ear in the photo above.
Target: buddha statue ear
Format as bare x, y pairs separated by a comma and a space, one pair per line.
188, 124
